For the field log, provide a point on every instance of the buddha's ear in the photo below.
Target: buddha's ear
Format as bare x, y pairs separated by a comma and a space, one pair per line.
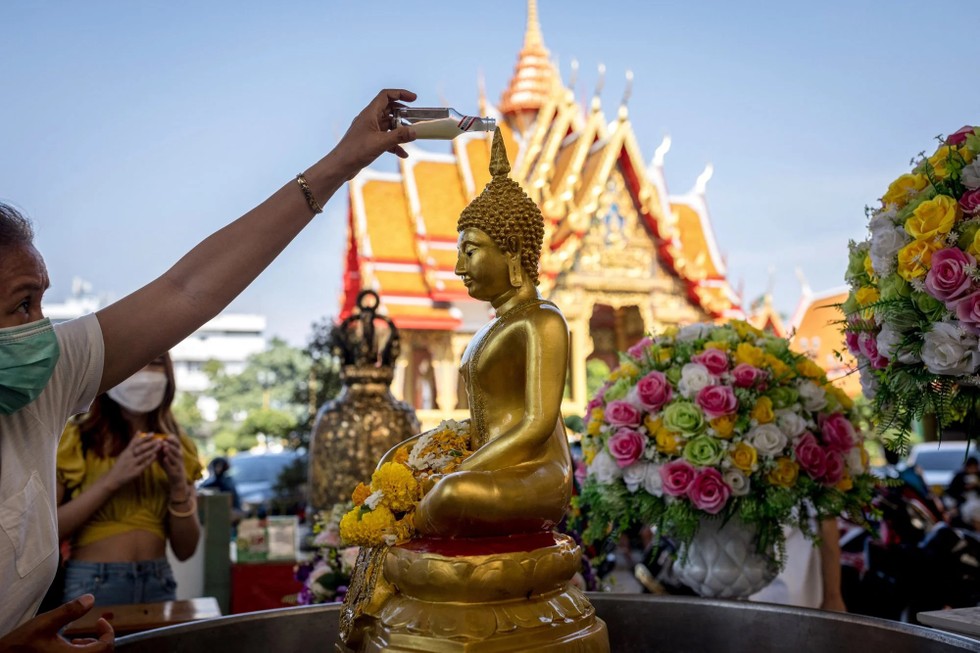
513, 245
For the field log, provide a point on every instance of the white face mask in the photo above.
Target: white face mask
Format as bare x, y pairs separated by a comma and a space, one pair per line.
140, 393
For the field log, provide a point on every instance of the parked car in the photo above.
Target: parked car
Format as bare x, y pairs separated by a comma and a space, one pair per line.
270, 483
939, 461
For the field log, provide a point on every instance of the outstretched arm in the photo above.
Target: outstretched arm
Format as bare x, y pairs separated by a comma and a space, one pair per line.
168, 309
547, 363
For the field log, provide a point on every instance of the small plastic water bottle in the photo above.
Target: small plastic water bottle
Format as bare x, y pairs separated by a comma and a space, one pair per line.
440, 122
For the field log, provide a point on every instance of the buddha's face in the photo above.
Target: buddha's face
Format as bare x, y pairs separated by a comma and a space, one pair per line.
482, 265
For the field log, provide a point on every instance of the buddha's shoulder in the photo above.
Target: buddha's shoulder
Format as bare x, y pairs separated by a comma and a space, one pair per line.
544, 315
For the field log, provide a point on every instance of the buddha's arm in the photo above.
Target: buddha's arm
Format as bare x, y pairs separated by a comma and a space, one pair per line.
546, 354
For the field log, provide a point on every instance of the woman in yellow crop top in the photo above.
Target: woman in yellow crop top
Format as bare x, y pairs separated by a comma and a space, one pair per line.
125, 486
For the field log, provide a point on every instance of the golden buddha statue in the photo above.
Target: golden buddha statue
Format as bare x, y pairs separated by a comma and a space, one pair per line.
485, 570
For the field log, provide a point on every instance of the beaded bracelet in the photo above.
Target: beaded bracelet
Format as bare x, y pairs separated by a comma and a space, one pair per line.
308, 194
183, 513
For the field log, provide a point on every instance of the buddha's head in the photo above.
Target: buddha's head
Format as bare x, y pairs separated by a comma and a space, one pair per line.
500, 234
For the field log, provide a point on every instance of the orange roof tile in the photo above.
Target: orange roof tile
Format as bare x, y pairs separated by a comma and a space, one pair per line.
817, 334
694, 244
441, 197
389, 229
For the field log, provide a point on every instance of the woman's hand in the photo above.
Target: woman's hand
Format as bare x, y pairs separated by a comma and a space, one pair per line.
40, 634
370, 133
171, 457
135, 458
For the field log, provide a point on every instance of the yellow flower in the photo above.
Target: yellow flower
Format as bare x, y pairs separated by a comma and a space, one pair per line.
746, 353
845, 483
404, 528
845, 402
652, 424
626, 370
779, 369
664, 354
809, 369
869, 267
903, 188
762, 411
671, 331
942, 158
361, 492
595, 424
398, 486
744, 329
866, 295
744, 456
785, 472
720, 345
401, 456
366, 527
668, 442
933, 218
915, 259
723, 426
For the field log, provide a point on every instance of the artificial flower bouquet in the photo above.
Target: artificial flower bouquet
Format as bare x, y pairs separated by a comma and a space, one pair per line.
383, 512
913, 311
327, 576
720, 421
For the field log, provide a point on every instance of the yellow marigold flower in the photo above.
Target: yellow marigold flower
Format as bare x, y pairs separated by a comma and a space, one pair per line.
746, 353
915, 259
404, 528
933, 218
866, 295
668, 442
785, 473
744, 456
401, 456
904, 188
744, 329
718, 344
762, 411
845, 483
809, 369
398, 485
361, 492
366, 527
723, 426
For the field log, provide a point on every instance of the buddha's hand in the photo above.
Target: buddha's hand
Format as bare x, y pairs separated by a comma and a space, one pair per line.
429, 482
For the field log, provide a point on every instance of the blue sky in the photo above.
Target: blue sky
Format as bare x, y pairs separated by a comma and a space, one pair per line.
130, 131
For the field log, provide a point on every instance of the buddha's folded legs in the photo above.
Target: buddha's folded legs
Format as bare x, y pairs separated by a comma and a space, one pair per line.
521, 499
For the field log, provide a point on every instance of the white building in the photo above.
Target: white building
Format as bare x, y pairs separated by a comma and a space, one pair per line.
229, 338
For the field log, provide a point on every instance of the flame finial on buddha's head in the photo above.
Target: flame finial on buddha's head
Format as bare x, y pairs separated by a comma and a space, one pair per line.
504, 212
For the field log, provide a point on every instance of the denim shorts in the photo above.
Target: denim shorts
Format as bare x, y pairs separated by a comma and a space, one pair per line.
117, 583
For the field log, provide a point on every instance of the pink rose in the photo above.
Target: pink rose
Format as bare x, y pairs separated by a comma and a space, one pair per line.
811, 456
947, 280
838, 432
714, 359
958, 137
626, 446
637, 350
623, 413
851, 339
716, 400
653, 391
677, 477
968, 312
970, 202
835, 468
747, 376
868, 346
709, 492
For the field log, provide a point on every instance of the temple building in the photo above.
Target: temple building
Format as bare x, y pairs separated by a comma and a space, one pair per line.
621, 256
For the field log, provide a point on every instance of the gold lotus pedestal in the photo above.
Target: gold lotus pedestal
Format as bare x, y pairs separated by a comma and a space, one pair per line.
482, 595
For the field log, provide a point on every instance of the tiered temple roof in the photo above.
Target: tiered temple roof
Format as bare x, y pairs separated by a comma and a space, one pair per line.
402, 226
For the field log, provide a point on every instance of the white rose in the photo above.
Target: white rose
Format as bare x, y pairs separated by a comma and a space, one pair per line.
949, 350
812, 396
694, 376
790, 422
737, 481
634, 475
886, 240
869, 382
888, 339
853, 461
970, 175
604, 469
652, 482
767, 439
694, 332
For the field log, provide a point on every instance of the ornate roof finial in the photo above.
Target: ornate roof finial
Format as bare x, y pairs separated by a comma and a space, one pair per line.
573, 76
535, 78
599, 84
805, 289
499, 165
627, 92
661, 151
702, 182
532, 34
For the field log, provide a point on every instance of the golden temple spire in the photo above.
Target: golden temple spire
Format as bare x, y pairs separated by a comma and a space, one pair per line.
535, 78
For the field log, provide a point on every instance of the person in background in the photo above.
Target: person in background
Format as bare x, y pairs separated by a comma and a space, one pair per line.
125, 487
50, 372
965, 491
218, 480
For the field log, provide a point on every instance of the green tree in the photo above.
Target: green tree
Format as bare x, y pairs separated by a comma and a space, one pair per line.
323, 382
188, 416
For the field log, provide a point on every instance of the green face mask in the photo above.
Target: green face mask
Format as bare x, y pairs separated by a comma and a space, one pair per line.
28, 355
